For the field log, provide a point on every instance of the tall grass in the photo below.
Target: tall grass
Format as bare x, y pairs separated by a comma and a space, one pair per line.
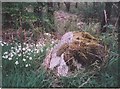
35, 76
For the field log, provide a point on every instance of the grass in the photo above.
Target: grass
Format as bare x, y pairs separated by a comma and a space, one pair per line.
26, 78
21, 76
35, 76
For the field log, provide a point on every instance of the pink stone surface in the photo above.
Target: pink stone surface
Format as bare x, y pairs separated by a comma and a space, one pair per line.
52, 60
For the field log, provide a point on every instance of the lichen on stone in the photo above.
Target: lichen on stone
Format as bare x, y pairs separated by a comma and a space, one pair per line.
75, 50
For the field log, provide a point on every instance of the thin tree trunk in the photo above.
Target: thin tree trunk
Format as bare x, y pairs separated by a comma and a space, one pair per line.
38, 11
58, 4
76, 5
106, 16
50, 7
119, 15
86, 4
67, 4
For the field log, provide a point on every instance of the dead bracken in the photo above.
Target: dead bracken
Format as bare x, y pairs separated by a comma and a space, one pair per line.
75, 50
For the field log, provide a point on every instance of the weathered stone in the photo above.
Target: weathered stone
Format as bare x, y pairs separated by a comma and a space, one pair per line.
75, 50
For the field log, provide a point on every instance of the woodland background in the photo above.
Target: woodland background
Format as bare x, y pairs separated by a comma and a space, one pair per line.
29, 30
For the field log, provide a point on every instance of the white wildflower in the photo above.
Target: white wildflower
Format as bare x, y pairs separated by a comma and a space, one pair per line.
52, 42
18, 51
47, 49
11, 55
23, 52
37, 45
41, 49
27, 56
24, 59
19, 46
7, 44
9, 58
24, 43
37, 51
2, 44
17, 58
5, 52
3, 57
16, 63
12, 47
6, 56
19, 54
23, 49
10, 43
47, 34
12, 51
29, 49
27, 45
30, 58
26, 65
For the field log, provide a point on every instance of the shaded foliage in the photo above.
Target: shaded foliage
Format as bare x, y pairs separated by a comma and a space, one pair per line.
33, 19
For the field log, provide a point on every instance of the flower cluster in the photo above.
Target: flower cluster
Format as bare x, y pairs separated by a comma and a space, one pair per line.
17, 52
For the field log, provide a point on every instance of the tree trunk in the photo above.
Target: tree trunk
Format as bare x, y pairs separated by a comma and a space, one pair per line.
76, 5
67, 4
50, 10
118, 23
38, 11
86, 4
106, 16
58, 4
50, 13
94, 9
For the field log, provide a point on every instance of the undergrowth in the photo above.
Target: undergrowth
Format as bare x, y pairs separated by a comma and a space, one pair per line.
35, 76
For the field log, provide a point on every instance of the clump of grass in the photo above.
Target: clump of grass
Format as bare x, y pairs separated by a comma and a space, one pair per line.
26, 78
107, 76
